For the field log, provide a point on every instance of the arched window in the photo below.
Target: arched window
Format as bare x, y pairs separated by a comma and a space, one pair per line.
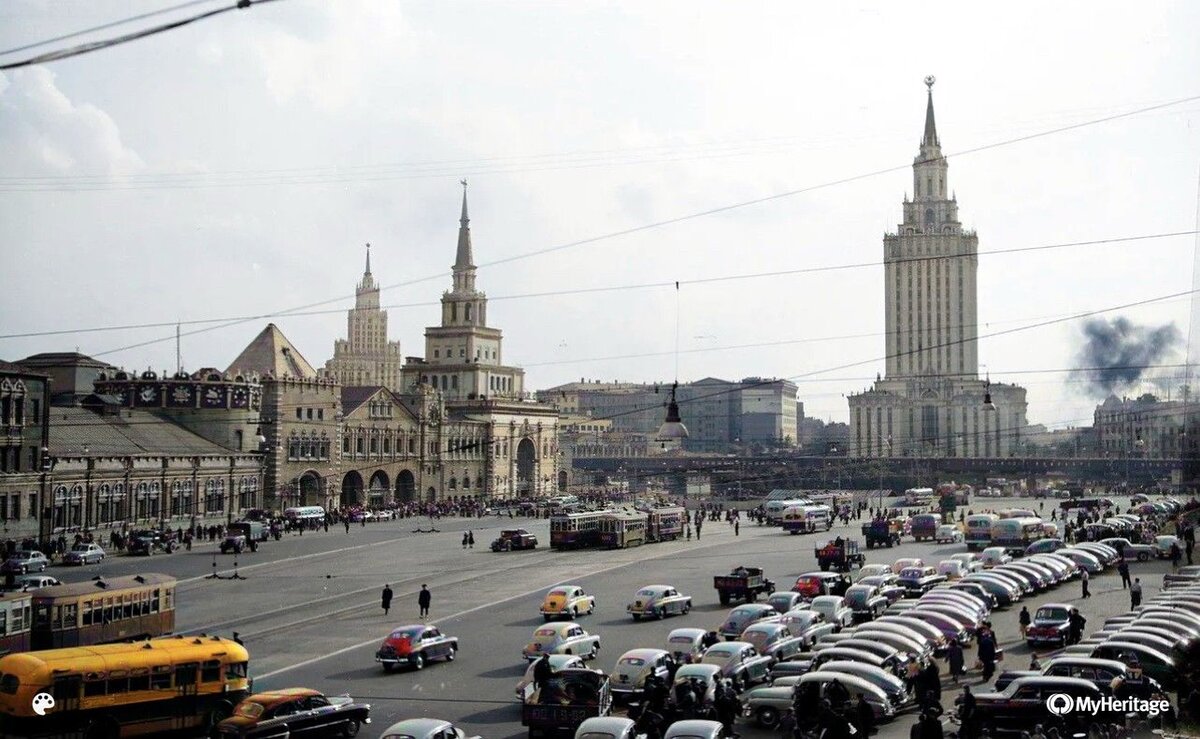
929, 218
453, 484
467, 308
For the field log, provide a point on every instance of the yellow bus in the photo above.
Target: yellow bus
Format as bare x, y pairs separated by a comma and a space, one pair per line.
107, 691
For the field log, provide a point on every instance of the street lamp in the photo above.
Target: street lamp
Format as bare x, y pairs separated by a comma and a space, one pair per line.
44, 512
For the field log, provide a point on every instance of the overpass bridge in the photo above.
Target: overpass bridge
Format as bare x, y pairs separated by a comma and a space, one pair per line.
763, 472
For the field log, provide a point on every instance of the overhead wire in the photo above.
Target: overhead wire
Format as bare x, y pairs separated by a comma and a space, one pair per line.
105, 26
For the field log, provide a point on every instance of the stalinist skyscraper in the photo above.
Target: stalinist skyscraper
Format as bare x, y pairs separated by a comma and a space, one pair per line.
366, 357
931, 401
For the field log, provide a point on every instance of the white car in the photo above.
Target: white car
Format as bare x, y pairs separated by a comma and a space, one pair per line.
872, 570
994, 557
686, 645
558, 662
948, 533
951, 569
970, 560
906, 562
834, 608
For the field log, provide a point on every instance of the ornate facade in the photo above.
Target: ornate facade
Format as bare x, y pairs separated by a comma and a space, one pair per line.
365, 357
931, 401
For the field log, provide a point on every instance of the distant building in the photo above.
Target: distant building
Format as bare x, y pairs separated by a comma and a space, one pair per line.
365, 358
1143, 427
931, 401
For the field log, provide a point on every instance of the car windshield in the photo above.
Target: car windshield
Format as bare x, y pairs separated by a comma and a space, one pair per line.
718, 655
875, 580
545, 632
857, 595
646, 593
249, 709
632, 662
79, 548
910, 572
742, 613
681, 640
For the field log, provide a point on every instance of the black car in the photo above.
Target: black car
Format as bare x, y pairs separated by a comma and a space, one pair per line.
1100, 672
148, 541
1024, 703
295, 712
1051, 625
514, 539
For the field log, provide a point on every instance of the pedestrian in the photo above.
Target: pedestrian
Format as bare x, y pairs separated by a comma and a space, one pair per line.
542, 671
347, 522
737, 527
1175, 554
966, 713
1083, 582
1135, 593
954, 658
986, 651
1123, 570
387, 599
1034, 663
464, 540
1024, 620
1077, 624
423, 600
237, 639
864, 716
471, 539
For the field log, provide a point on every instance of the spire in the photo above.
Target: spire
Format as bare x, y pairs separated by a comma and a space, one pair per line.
367, 271
464, 259
930, 138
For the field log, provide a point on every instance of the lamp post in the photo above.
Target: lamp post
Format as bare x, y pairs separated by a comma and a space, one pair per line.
44, 511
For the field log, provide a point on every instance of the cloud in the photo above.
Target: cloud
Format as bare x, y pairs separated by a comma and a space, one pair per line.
45, 132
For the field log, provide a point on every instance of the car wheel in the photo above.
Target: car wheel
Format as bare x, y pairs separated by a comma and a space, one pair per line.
637, 617
418, 662
591, 608
546, 616
450, 655
1142, 556
574, 613
388, 666
767, 717
351, 728
686, 607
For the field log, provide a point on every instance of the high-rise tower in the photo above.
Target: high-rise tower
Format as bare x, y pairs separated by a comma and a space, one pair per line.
366, 357
931, 401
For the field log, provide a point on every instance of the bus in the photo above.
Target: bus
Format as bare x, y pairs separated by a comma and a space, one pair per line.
666, 523
979, 530
1017, 533
146, 688
100, 611
305, 513
774, 509
917, 496
796, 521
821, 516
575, 530
623, 529
924, 526
15, 613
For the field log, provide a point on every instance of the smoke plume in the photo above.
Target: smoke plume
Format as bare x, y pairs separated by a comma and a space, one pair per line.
1116, 354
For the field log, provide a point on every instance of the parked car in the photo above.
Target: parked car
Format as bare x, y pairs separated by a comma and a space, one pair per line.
425, 728
695, 729
813, 584
786, 600
739, 661
1129, 550
24, 561
888, 585
976, 591
1106, 554
657, 601
1154, 663
84, 554
525, 685
305, 712
1162, 545
951, 569
701, 678
34, 582
1023, 703
1051, 625
917, 650
872, 570
1083, 559
904, 562
865, 602
895, 687
567, 601
919, 580
628, 676
774, 639
414, 645
879, 702
1101, 672
562, 638
808, 625
994, 556
686, 645
766, 705
948, 533
741, 617
834, 608
970, 560
607, 727
1184, 576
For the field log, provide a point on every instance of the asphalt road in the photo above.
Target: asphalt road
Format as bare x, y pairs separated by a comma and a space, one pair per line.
309, 612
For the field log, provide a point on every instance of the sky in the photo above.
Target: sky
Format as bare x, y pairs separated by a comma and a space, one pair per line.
236, 167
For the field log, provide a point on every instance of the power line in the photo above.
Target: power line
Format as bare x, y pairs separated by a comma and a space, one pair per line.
73, 51
104, 26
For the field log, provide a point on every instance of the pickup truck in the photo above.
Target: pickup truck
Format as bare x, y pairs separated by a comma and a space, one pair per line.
839, 555
882, 532
568, 698
744, 583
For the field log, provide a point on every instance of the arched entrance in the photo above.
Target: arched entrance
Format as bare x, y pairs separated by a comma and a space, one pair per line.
526, 460
352, 488
377, 490
431, 495
310, 489
562, 481
406, 487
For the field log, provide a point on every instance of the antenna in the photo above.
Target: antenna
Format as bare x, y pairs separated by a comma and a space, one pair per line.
178, 355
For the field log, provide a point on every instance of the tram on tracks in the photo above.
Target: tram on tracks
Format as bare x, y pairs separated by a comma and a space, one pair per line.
102, 611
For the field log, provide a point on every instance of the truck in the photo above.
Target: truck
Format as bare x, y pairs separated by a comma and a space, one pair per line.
924, 526
744, 583
513, 539
839, 555
882, 532
567, 699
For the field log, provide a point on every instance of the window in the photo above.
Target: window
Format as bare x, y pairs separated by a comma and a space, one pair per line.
235, 671
299, 413
185, 674
310, 413
211, 672
320, 414
161, 678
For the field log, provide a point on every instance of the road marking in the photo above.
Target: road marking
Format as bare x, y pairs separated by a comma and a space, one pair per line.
492, 604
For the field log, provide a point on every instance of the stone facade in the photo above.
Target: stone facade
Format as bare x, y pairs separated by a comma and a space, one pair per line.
1145, 427
932, 402
365, 357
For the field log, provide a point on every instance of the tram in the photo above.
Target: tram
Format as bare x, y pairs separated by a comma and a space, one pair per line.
623, 529
575, 530
15, 611
665, 523
102, 611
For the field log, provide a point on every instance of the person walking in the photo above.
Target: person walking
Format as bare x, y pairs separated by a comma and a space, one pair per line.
1176, 555
387, 599
471, 539
986, 650
464, 540
423, 600
1077, 624
1024, 620
737, 526
1135, 593
1083, 582
1123, 571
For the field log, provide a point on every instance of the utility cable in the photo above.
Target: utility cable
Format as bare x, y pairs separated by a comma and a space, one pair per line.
104, 26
